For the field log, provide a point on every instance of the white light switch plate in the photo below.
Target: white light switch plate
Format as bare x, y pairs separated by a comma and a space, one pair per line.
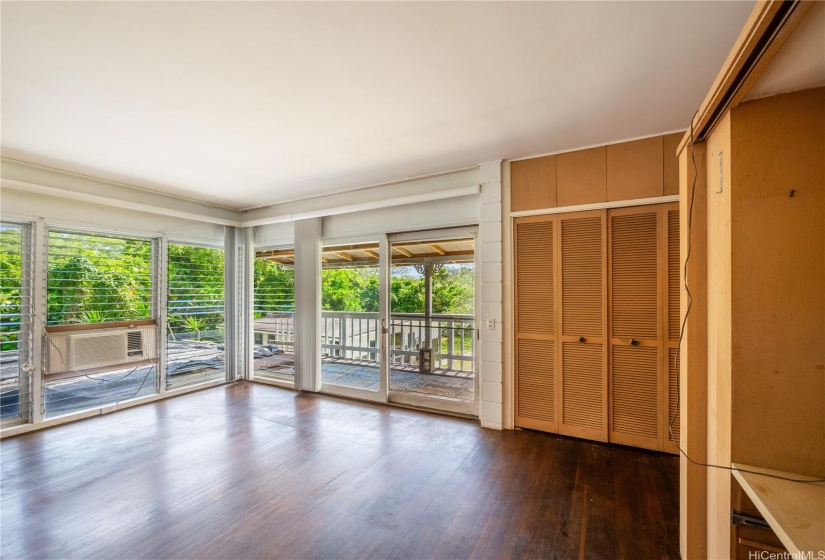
491, 324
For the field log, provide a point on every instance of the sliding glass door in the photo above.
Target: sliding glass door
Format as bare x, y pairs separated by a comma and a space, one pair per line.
398, 319
431, 329
351, 329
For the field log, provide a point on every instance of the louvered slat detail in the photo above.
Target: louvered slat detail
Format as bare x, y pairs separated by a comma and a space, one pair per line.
634, 275
582, 379
673, 387
581, 241
534, 278
635, 391
673, 266
536, 380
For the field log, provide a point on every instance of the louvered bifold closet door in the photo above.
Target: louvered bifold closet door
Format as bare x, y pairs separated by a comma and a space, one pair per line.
583, 325
535, 319
670, 242
635, 327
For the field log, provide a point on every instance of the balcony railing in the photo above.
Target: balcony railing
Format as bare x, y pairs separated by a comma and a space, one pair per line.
354, 336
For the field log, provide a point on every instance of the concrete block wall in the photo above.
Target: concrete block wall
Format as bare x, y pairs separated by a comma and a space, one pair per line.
489, 247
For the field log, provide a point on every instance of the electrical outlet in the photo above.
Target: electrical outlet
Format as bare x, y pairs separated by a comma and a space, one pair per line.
108, 409
491, 324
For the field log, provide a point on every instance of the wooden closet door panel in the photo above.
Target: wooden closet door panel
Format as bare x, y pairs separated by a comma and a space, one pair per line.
635, 287
535, 323
536, 385
634, 403
534, 281
583, 322
670, 369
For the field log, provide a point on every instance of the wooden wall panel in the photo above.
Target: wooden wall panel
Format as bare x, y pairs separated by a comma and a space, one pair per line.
777, 289
581, 177
672, 399
693, 355
635, 169
533, 184
670, 163
671, 321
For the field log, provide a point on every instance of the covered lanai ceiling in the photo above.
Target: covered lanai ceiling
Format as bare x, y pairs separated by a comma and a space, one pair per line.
367, 254
242, 104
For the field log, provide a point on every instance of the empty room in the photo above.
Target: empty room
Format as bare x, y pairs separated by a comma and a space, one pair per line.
412, 280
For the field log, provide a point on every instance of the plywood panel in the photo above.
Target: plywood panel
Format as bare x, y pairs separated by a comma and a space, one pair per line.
670, 163
533, 184
777, 286
581, 177
672, 398
634, 169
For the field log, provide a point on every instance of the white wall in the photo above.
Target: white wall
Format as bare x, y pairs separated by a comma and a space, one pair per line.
483, 209
63, 212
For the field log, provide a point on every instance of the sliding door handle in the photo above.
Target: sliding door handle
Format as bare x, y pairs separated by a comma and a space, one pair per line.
582, 339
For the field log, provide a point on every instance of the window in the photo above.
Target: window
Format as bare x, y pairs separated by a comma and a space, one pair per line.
274, 315
15, 321
98, 287
195, 316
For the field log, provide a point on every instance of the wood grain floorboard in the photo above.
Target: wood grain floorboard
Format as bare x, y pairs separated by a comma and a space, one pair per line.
254, 471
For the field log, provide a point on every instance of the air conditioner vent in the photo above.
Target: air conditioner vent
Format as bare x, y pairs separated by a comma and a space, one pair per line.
134, 344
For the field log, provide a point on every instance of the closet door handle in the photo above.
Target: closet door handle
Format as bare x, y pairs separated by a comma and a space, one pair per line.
634, 342
582, 339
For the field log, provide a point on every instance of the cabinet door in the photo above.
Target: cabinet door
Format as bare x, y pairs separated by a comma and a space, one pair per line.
583, 325
673, 324
635, 327
535, 323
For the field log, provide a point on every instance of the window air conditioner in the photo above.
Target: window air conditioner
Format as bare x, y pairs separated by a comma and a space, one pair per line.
91, 350
83, 350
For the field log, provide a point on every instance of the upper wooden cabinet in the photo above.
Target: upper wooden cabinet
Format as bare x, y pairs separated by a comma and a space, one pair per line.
630, 170
533, 184
581, 177
670, 163
635, 169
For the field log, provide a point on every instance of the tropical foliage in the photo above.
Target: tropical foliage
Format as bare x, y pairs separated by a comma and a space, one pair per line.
195, 301
97, 278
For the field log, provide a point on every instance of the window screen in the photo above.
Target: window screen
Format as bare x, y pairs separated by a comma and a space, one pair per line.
195, 315
274, 315
15, 321
98, 278
93, 279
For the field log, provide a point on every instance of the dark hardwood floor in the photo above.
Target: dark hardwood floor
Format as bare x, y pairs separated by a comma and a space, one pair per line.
253, 471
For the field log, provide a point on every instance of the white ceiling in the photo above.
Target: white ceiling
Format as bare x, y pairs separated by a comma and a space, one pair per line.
244, 104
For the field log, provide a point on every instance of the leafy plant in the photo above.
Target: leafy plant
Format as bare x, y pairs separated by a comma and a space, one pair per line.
194, 324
